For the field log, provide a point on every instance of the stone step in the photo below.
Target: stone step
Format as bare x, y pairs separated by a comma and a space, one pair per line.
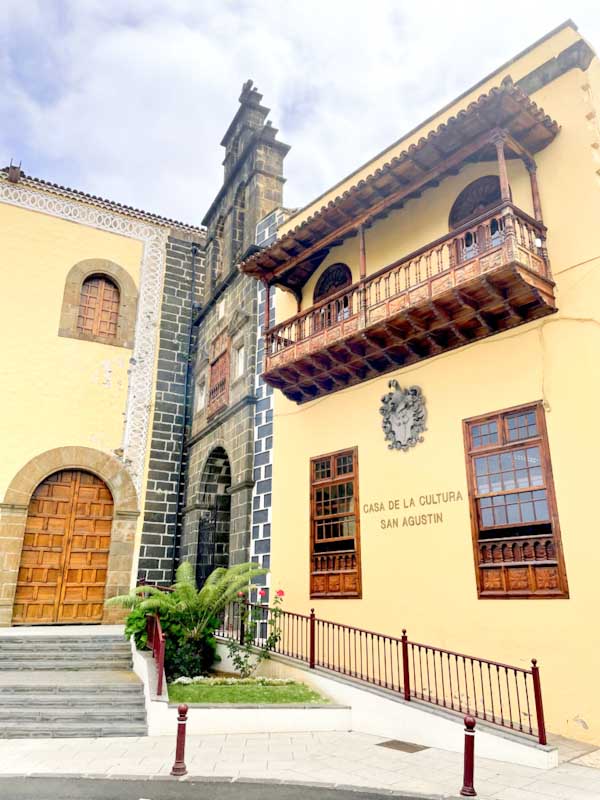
65, 664
75, 692
69, 686
127, 700
60, 715
42, 645
56, 653
81, 640
37, 730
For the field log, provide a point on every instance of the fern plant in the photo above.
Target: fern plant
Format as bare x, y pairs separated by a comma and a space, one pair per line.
188, 617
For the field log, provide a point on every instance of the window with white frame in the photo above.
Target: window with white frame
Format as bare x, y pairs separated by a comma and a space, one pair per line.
240, 361
200, 396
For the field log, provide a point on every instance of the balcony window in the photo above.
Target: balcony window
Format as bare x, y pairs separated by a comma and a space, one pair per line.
475, 199
333, 280
516, 536
335, 525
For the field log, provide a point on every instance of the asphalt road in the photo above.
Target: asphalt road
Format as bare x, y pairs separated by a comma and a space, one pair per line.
82, 789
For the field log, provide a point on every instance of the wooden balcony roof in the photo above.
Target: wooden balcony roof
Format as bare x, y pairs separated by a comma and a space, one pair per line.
465, 137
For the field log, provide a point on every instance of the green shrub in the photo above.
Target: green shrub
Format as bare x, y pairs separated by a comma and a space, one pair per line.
188, 617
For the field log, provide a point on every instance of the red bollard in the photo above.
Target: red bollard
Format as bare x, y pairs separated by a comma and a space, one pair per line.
179, 767
467, 788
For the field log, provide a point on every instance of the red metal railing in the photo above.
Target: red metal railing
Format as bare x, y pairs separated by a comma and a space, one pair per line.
156, 643
293, 630
491, 691
156, 637
499, 694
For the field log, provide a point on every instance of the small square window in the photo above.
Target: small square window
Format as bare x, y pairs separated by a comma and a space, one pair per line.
522, 426
344, 464
322, 468
484, 434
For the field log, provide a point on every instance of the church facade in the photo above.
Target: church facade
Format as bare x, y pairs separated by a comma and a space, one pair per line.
436, 377
95, 296
137, 429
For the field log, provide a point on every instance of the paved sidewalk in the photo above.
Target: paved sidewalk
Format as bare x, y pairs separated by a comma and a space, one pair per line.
333, 759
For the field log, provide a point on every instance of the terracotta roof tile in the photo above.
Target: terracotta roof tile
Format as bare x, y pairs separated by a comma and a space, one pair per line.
101, 202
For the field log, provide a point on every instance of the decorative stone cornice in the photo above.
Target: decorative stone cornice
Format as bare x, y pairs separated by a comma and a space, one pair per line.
127, 514
239, 486
237, 322
220, 418
154, 238
14, 508
579, 55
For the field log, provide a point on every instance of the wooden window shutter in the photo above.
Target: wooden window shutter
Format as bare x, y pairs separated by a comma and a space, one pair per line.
99, 307
218, 390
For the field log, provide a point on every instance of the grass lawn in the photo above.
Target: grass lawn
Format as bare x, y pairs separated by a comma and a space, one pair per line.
244, 693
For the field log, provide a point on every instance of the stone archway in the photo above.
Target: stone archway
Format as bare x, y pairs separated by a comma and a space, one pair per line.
13, 517
215, 519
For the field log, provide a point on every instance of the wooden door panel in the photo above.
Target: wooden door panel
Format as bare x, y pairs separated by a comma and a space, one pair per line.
83, 587
62, 575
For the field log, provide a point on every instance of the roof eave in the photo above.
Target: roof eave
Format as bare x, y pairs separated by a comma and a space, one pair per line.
448, 139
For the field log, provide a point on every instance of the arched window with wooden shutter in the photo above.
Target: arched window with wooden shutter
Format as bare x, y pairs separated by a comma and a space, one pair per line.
98, 307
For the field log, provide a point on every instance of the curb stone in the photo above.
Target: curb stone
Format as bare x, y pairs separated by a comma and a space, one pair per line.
251, 780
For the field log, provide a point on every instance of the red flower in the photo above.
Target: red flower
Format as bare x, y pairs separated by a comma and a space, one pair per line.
280, 593
262, 593
240, 594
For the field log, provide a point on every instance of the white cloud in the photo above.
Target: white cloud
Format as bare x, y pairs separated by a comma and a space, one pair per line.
129, 100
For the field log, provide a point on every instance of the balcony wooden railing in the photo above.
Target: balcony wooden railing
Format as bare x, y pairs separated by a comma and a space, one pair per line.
503, 237
518, 549
515, 564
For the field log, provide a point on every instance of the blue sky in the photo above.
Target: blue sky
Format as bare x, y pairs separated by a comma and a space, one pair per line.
129, 99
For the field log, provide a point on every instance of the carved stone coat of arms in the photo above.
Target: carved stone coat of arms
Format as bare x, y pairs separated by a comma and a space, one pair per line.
404, 416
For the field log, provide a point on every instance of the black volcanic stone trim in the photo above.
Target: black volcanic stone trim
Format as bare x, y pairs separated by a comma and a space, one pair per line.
163, 488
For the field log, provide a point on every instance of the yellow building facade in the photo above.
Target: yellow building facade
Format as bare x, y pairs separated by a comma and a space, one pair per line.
463, 263
82, 288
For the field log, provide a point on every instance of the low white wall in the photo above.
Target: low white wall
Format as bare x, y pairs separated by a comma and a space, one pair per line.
162, 719
378, 713
234, 718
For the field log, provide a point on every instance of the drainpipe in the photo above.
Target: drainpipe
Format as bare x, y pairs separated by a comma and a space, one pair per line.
186, 390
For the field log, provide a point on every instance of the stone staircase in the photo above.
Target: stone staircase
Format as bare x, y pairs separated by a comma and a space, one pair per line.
76, 684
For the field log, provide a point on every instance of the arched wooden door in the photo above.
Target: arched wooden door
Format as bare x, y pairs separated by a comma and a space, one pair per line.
64, 560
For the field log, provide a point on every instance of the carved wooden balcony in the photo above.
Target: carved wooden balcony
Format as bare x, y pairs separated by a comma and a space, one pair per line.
481, 279
518, 564
334, 573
